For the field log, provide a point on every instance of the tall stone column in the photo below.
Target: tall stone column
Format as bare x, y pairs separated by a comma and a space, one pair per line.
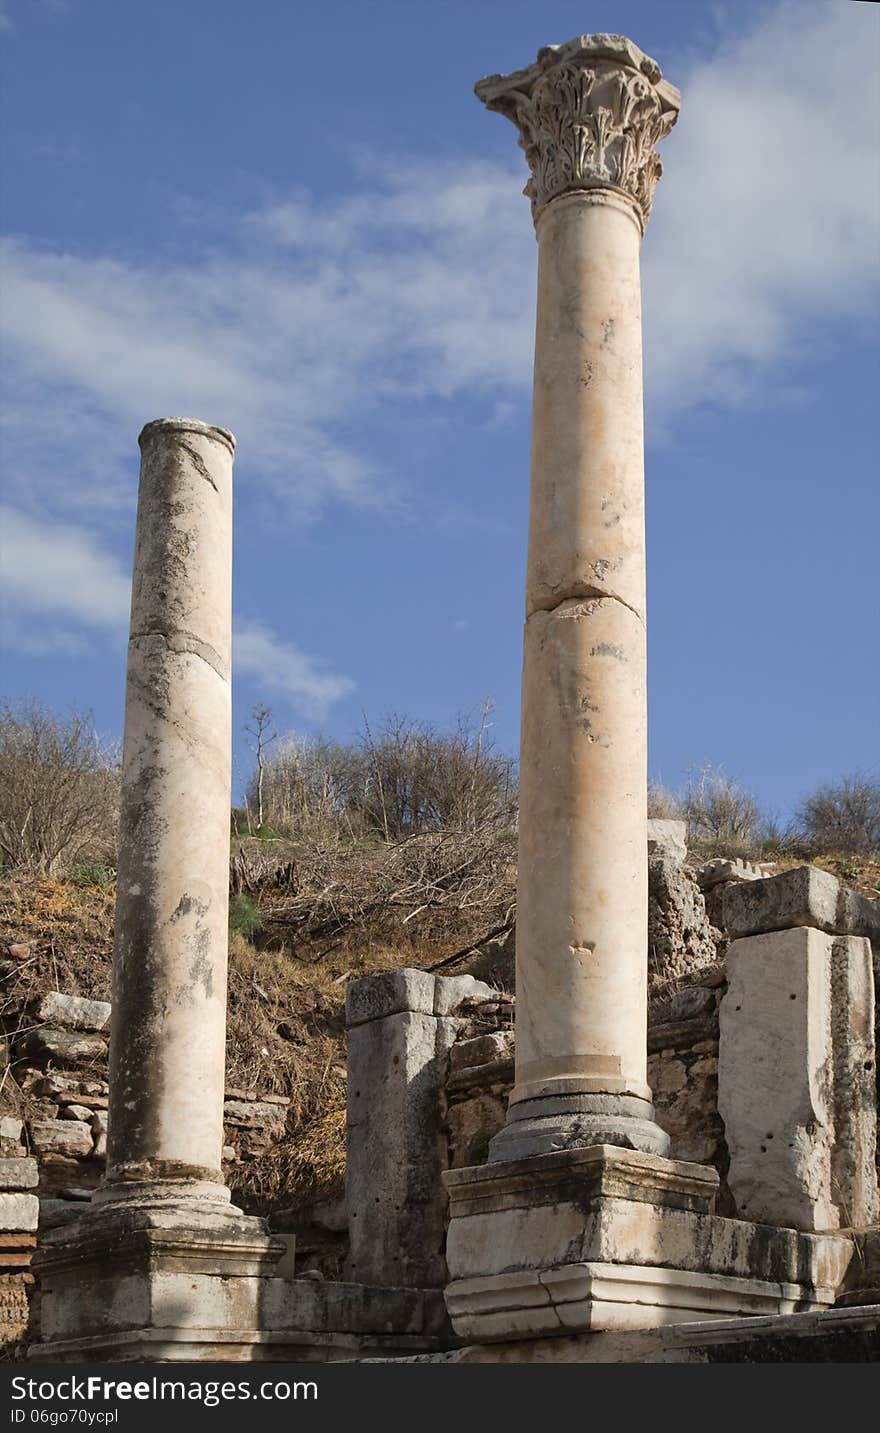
579, 1222
167, 1039
589, 114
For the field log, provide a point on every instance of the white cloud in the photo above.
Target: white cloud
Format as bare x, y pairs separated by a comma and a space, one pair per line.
60, 570
308, 683
58, 585
312, 314
313, 318
768, 217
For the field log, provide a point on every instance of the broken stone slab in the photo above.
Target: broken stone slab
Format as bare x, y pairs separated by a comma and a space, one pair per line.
472, 1124
69, 1137
683, 1004
667, 839
19, 1212
61, 1082
481, 1050
253, 1114
18, 1173
679, 1034
723, 868
98, 1122
10, 1129
497, 1077
805, 896
255, 1097
73, 1012
77, 1112
48, 1043
374, 997
83, 1102
453, 991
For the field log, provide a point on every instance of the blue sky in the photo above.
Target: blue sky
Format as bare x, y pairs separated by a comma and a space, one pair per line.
295, 220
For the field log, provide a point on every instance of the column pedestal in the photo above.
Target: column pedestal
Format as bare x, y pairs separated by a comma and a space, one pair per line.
611, 1239
169, 1283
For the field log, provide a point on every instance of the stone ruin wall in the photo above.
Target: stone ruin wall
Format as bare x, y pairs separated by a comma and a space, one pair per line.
462, 1063
54, 1156
431, 1066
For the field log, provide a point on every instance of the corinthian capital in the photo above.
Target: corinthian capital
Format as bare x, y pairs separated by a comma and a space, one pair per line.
589, 114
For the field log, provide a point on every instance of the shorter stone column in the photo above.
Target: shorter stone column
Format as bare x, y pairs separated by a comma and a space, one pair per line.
400, 1030
168, 1028
796, 1079
162, 1267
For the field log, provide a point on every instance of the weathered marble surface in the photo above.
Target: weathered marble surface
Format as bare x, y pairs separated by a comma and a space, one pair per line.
169, 972
589, 113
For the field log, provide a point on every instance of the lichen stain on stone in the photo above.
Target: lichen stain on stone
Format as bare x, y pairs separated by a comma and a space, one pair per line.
609, 649
614, 518
603, 566
608, 329
201, 970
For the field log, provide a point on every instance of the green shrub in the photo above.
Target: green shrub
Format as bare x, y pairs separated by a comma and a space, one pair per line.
93, 873
245, 918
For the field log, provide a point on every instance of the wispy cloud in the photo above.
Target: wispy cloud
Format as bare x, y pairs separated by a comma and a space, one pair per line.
60, 592
308, 314
60, 570
767, 220
309, 683
310, 318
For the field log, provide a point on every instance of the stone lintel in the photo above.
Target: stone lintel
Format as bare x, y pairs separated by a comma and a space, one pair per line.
418, 992
805, 896
583, 1177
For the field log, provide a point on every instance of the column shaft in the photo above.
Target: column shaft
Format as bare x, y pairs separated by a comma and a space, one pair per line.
588, 114
167, 1040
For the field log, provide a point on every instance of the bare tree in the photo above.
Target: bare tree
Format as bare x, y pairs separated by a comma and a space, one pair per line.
843, 817
261, 734
59, 790
400, 781
719, 812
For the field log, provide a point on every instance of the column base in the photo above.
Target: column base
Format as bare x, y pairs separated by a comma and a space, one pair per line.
127, 1278
607, 1238
558, 1122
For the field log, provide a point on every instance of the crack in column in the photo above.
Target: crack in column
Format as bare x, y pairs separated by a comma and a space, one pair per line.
181, 642
199, 464
586, 593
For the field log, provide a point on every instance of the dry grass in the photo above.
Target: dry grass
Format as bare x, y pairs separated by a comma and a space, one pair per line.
294, 1172
327, 915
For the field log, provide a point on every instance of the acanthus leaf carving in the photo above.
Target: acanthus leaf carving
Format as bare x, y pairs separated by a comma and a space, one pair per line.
587, 121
